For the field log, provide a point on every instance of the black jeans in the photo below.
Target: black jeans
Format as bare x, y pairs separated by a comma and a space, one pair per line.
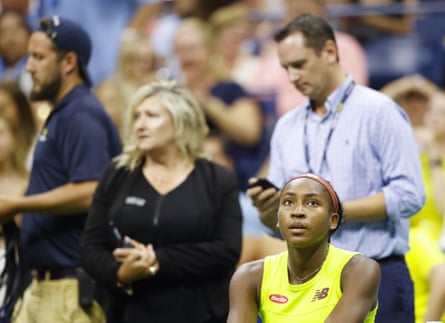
396, 294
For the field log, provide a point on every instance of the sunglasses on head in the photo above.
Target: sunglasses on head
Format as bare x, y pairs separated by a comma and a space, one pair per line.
47, 25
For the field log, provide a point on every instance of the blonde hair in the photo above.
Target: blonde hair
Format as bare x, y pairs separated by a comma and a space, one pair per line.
188, 119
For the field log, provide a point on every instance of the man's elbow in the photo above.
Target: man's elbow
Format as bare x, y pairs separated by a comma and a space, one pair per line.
414, 203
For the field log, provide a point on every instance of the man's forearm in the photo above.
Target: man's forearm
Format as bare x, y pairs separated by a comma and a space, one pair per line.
370, 208
67, 199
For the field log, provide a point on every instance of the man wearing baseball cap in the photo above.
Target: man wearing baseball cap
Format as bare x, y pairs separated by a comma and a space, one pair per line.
76, 142
70, 37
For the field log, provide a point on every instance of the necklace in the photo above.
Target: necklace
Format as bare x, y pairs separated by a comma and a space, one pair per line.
301, 280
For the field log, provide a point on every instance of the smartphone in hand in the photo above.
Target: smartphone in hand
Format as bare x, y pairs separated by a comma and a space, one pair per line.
121, 242
264, 183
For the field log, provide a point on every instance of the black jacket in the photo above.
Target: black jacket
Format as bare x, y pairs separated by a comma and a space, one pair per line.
192, 283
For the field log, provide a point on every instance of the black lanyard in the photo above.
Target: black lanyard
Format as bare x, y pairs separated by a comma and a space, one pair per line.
331, 130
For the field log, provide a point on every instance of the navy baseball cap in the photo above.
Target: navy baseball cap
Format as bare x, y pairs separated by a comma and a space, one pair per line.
70, 36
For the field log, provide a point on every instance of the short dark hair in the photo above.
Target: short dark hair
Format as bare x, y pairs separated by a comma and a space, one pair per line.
315, 30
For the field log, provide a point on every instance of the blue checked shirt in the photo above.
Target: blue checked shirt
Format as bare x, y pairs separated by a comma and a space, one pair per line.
372, 149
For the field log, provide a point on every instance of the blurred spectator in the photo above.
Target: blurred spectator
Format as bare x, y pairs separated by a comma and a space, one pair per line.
15, 106
164, 29
13, 181
367, 27
230, 26
426, 262
19, 5
135, 67
413, 93
202, 9
234, 56
435, 121
227, 106
28, 8
389, 32
104, 21
14, 36
13, 171
271, 75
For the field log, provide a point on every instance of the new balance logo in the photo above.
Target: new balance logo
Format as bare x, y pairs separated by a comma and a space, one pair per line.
320, 294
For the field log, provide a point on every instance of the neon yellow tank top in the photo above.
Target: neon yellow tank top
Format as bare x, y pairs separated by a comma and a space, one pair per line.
310, 302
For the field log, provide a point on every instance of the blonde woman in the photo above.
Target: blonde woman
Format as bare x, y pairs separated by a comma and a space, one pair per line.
178, 213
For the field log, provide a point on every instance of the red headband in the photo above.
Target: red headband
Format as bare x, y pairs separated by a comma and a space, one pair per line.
325, 183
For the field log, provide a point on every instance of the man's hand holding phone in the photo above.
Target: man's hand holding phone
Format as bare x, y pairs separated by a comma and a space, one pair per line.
265, 197
264, 183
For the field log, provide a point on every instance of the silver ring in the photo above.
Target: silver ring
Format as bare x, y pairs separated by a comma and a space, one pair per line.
152, 270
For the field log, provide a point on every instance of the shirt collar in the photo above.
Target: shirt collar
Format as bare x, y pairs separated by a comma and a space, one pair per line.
335, 97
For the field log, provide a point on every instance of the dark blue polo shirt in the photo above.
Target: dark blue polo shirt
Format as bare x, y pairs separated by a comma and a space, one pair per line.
76, 143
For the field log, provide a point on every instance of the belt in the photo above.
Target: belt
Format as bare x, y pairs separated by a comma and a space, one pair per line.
52, 274
391, 259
